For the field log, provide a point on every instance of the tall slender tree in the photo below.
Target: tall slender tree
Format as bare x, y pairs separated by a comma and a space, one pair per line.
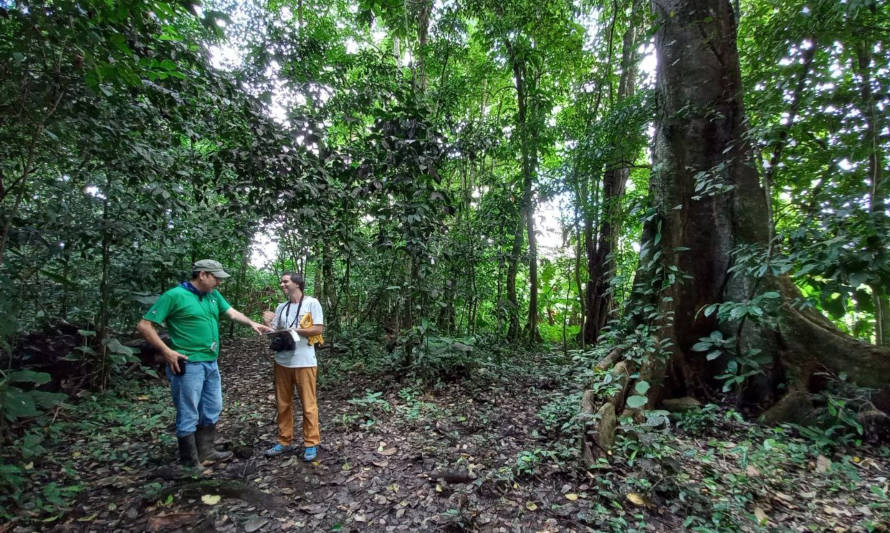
600, 244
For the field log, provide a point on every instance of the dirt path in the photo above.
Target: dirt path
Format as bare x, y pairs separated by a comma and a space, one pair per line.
494, 451
393, 458
397, 458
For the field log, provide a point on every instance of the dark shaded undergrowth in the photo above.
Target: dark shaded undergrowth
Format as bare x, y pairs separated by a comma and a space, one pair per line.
486, 442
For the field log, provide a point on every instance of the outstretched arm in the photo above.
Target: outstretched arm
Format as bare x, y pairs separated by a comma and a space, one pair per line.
239, 317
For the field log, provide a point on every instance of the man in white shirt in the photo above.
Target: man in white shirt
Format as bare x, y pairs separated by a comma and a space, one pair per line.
296, 366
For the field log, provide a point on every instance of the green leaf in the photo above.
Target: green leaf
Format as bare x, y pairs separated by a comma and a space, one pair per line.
642, 387
115, 346
28, 376
635, 402
17, 403
47, 400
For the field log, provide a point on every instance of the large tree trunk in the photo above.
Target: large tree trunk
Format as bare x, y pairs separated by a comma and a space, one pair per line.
600, 261
709, 202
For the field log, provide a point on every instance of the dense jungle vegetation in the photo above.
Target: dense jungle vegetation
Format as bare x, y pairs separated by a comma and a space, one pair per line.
646, 241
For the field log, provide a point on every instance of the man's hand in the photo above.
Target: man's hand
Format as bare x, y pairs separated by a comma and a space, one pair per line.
239, 317
268, 317
174, 359
260, 328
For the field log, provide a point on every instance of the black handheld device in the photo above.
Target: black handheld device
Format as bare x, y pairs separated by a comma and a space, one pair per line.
181, 372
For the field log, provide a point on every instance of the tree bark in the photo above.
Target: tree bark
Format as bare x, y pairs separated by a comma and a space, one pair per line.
708, 199
424, 9
512, 269
525, 95
237, 300
600, 262
329, 292
103, 364
578, 285
531, 325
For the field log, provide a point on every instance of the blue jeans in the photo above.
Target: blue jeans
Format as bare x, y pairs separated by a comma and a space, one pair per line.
197, 395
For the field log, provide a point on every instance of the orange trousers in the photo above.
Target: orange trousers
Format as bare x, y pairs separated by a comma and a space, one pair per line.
304, 380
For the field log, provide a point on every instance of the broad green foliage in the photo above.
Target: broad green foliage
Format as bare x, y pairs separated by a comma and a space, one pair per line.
403, 155
817, 77
16, 402
121, 159
98, 423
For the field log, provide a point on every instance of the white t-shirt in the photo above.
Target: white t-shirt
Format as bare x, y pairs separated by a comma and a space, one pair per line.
302, 355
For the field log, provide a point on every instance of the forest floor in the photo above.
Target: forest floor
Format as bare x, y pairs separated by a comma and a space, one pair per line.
495, 451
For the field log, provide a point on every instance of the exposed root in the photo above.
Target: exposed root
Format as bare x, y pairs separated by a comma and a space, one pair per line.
793, 407
808, 343
600, 434
230, 488
811, 342
609, 361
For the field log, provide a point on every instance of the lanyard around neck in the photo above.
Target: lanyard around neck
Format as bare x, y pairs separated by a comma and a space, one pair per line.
287, 311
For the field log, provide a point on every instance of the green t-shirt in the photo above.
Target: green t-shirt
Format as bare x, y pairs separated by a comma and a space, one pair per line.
191, 320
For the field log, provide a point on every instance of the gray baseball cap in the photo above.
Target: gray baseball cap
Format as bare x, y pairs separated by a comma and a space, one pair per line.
209, 265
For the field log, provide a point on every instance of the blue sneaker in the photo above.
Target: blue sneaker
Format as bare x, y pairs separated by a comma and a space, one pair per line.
310, 453
278, 449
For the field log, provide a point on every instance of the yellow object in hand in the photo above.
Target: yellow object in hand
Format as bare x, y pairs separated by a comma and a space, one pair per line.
306, 322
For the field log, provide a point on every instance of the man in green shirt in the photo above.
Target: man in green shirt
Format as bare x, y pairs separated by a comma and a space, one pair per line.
190, 311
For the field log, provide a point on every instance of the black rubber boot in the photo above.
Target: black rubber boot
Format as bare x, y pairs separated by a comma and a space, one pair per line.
188, 451
204, 437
